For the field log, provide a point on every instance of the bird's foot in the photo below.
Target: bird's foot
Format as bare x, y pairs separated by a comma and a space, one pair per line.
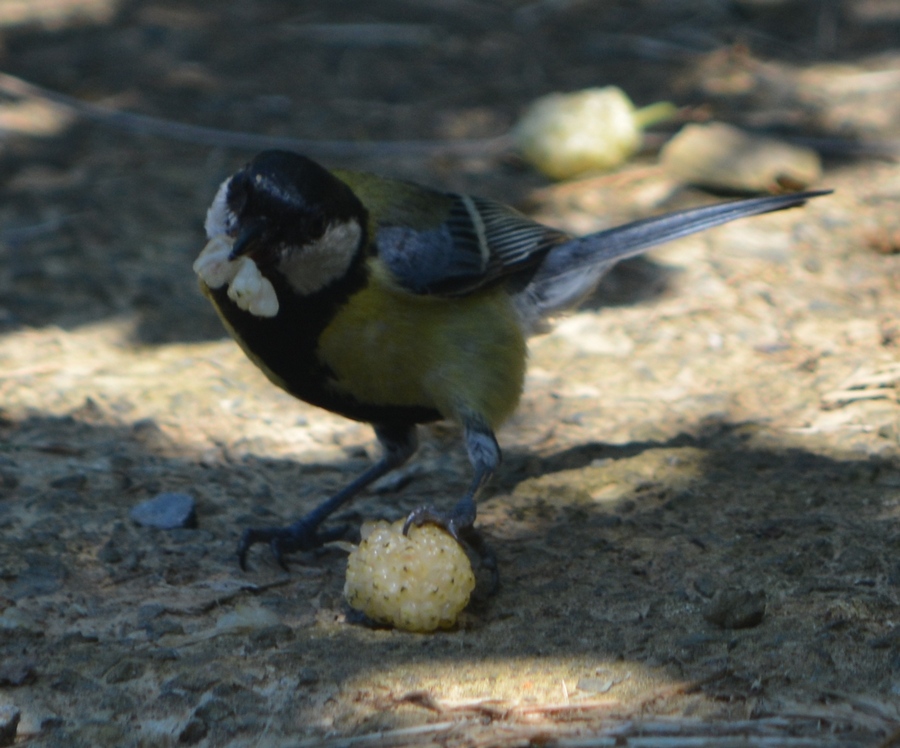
457, 521
428, 515
303, 535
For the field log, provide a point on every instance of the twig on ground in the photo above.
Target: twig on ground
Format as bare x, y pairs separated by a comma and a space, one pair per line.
143, 124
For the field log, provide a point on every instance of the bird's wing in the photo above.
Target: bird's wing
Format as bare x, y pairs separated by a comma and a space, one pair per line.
479, 242
446, 244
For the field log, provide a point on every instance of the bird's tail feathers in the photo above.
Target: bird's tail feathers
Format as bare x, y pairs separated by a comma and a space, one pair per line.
572, 270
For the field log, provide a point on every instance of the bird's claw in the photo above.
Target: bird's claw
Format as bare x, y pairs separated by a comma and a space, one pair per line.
452, 522
298, 537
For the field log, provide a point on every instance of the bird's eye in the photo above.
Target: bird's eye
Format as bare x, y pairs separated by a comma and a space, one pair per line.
316, 226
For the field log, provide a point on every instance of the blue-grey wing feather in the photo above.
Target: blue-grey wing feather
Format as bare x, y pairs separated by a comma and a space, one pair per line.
479, 242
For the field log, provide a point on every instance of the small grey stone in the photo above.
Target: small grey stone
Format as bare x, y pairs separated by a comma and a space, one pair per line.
307, 676
124, 671
72, 482
705, 585
737, 609
213, 711
149, 611
166, 511
9, 724
17, 672
194, 731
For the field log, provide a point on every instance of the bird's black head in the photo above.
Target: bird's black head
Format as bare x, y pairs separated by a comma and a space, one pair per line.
282, 206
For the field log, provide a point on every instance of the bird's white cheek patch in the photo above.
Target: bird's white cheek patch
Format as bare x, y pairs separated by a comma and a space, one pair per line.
246, 285
312, 267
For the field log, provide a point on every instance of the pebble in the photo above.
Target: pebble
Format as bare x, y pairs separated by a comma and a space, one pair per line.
72, 482
17, 672
166, 511
124, 671
194, 731
737, 609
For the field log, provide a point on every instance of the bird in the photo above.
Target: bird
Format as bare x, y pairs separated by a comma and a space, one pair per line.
395, 304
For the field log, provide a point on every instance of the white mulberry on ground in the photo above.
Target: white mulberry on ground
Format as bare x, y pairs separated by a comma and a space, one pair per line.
419, 582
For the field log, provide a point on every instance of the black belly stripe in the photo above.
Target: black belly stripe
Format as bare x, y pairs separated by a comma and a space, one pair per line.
286, 344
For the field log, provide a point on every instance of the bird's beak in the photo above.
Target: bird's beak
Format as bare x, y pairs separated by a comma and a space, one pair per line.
246, 240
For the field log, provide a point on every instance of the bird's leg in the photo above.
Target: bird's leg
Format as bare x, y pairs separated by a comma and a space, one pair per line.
399, 443
484, 454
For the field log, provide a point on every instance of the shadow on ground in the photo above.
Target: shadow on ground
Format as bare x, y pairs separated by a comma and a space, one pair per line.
614, 560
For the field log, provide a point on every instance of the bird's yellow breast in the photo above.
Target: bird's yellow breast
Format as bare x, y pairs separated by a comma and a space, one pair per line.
461, 356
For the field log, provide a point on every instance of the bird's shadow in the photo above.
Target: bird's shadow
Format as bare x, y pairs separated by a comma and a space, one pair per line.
631, 282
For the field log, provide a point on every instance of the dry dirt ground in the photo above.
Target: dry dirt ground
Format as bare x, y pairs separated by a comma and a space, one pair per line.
698, 517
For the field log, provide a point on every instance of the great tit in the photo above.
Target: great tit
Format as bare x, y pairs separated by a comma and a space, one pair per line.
395, 304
